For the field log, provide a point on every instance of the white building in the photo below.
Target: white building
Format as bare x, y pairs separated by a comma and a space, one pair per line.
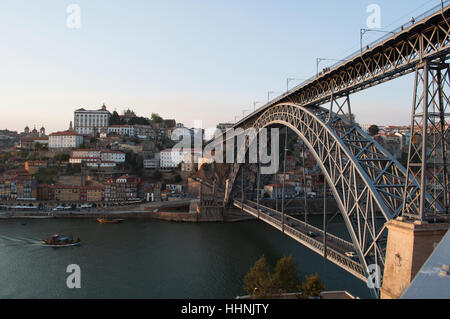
78, 155
87, 122
140, 131
365, 127
172, 157
96, 157
65, 139
112, 156
151, 163
174, 188
122, 130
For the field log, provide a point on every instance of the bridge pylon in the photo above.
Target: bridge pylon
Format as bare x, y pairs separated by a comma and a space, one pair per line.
425, 212
427, 187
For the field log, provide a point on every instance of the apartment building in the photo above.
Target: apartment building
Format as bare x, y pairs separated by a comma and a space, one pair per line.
65, 139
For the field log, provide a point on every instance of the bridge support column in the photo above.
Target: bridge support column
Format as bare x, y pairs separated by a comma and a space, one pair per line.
428, 145
409, 246
342, 107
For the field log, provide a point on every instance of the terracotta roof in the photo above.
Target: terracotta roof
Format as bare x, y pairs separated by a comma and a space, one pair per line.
32, 139
65, 133
72, 187
87, 150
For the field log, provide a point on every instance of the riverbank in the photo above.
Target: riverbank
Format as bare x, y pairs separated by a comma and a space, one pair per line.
186, 217
184, 211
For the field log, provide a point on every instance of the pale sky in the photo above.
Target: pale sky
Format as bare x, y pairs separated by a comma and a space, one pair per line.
184, 59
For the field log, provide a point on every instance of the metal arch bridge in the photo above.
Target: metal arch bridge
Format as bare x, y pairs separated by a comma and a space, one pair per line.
367, 182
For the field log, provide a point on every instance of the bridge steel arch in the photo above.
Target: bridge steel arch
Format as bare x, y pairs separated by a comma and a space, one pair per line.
366, 180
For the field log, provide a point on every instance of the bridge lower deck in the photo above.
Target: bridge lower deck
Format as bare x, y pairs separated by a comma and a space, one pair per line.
327, 245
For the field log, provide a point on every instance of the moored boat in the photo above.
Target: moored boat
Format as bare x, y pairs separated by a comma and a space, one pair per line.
104, 220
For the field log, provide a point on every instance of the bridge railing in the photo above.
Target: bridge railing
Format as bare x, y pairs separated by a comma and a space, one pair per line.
330, 253
312, 243
423, 15
336, 240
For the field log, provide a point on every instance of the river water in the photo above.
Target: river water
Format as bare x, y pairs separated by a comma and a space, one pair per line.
151, 259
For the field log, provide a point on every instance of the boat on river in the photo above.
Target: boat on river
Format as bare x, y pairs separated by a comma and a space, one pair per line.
104, 220
58, 241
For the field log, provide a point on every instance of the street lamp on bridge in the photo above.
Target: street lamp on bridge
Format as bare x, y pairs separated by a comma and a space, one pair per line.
270, 93
289, 80
254, 105
364, 31
318, 60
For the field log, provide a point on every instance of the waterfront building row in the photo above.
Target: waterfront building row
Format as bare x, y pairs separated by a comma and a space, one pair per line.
17, 184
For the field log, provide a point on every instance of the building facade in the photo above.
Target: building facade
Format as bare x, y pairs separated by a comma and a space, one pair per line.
88, 122
152, 163
172, 157
65, 139
124, 188
70, 193
97, 157
17, 185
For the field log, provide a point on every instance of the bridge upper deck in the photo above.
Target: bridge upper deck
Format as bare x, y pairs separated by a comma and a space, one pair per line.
386, 59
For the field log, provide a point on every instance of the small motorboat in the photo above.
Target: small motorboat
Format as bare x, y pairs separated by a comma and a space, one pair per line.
61, 241
104, 220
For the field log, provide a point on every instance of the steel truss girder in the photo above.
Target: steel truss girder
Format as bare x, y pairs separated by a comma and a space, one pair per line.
395, 57
366, 180
428, 166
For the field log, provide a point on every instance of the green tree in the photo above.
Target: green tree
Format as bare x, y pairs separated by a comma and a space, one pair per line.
285, 275
258, 282
62, 157
312, 286
47, 175
115, 119
156, 118
139, 120
373, 130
